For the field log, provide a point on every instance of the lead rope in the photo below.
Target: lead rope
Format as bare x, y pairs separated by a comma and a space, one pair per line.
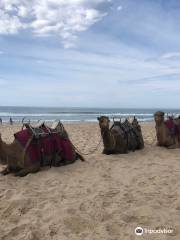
26, 147
151, 143
90, 152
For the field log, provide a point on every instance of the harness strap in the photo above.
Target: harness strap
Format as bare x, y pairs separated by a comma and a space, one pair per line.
26, 147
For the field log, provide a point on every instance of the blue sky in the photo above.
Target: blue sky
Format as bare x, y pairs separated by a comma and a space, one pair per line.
98, 53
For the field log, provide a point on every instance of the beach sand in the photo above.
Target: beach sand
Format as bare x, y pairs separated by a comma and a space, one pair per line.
104, 198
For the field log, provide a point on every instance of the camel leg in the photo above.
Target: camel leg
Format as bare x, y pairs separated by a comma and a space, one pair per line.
5, 171
177, 141
108, 152
10, 169
66, 162
174, 146
25, 171
105, 152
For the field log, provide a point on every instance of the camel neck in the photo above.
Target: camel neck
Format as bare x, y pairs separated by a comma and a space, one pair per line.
3, 152
160, 124
106, 135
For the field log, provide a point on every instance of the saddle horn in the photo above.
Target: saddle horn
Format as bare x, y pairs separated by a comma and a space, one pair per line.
24, 123
23, 120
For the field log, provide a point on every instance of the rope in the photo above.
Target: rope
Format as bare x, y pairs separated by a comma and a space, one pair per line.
90, 152
151, 143
26, 147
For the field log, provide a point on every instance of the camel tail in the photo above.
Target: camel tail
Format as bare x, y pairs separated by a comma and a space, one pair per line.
79, 156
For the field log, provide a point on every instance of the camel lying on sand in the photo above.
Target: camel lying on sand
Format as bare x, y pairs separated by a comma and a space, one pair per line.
168, 132
19, 162
121, 137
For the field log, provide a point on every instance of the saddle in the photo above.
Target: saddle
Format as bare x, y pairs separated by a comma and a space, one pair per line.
172, 126
41, 130
40, 142
126, 126
128, 130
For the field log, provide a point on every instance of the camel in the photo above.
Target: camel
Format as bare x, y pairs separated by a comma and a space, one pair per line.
167, 137
13, 155
120, 138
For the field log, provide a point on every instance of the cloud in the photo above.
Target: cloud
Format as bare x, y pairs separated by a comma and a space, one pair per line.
171, 55
63, 18
119, 8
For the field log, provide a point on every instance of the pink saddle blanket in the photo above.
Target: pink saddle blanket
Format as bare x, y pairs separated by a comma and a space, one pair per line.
49, 145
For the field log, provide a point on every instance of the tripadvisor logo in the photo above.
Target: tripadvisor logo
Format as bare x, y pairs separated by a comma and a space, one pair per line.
139, 231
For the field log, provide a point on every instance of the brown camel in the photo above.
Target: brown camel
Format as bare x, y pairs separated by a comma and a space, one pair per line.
121, 137
166, 137
13, 156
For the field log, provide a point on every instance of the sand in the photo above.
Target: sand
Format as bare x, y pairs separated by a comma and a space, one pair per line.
106, 197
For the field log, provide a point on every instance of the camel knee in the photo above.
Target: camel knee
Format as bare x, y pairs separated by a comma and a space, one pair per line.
26, 171
174, 146
5, 171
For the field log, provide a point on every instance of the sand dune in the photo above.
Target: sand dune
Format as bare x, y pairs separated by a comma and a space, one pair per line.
105, 198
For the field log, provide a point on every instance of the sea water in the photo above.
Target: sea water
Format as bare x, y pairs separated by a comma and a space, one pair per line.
76, 114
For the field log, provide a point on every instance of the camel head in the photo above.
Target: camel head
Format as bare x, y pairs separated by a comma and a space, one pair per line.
159, 117
103, 122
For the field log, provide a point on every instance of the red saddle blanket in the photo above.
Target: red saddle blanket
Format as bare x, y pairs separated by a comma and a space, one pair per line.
47, 146
175, 129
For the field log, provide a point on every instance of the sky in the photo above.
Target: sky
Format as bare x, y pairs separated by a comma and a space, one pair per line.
90, 53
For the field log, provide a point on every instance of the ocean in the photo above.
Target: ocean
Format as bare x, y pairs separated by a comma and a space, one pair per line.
76, 114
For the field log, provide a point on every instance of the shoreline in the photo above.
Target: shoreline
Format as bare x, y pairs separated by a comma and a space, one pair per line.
67, 123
